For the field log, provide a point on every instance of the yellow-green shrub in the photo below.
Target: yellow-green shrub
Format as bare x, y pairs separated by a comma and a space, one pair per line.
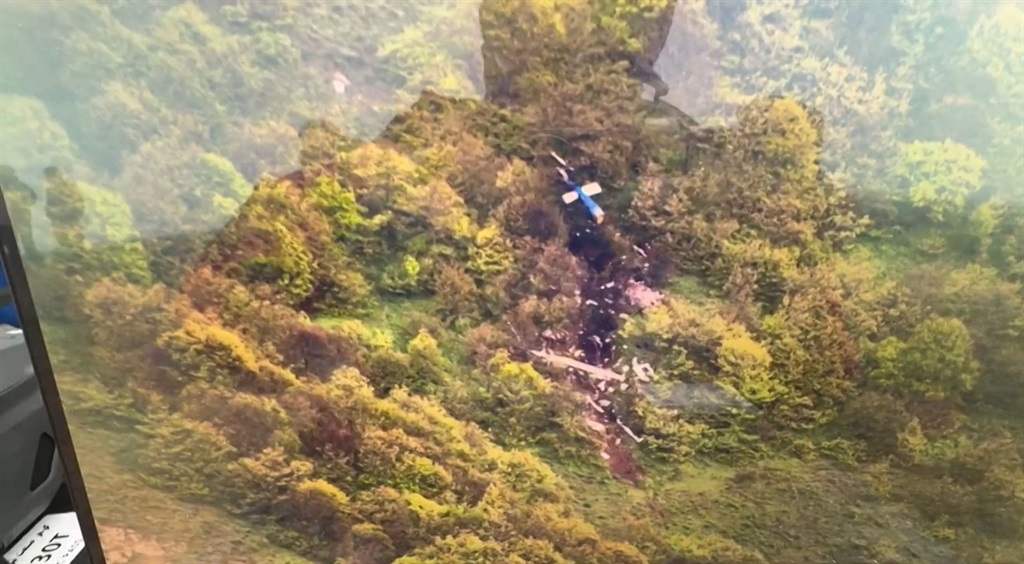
263, 481
203, 350
188, 456
935, 362
709, 549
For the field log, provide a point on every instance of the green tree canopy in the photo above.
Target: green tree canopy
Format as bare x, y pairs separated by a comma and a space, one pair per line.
939, 178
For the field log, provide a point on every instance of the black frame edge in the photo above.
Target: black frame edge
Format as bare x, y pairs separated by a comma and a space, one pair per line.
25, 306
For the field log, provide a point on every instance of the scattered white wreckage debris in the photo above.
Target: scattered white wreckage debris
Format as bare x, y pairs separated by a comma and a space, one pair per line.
340, 82
595, 426
641, 296
596, 407
565, 362
514, 332
605, 455
642, 370
630, 432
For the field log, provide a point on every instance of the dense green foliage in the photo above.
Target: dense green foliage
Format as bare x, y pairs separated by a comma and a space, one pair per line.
329, 336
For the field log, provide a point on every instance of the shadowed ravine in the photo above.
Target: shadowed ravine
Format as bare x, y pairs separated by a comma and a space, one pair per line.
603, 304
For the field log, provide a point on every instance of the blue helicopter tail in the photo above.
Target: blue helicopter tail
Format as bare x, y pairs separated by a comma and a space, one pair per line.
595, 210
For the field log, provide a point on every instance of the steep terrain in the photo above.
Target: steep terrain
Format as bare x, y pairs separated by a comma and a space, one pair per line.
341, 354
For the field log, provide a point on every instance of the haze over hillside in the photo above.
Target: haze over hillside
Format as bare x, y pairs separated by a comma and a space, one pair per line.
362, 324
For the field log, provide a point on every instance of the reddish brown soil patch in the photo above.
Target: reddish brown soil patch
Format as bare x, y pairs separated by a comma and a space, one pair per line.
622, 464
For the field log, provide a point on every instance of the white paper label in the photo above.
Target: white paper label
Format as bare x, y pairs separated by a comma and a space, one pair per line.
55, 539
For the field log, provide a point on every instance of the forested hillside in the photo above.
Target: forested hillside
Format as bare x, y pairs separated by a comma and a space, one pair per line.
309, 251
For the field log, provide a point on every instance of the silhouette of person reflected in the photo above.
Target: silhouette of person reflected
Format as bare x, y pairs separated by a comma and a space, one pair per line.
20, 198
8, 311
65, 208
